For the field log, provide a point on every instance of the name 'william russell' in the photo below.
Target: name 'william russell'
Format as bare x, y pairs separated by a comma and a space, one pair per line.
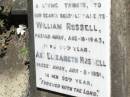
69, 26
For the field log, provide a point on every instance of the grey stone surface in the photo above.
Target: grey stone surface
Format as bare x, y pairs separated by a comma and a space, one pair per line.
19, 5
15, 6
120, 49
128, 47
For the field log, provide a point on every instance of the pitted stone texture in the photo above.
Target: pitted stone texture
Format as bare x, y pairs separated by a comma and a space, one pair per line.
128, 47
119, 26
19, 5
14, 5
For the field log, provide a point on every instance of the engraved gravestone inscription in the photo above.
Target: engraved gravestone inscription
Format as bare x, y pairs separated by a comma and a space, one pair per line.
72, 46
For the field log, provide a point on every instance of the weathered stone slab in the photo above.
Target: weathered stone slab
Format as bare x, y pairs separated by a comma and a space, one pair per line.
19, 7
120, 52
128, 47
16, 6
120, 48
